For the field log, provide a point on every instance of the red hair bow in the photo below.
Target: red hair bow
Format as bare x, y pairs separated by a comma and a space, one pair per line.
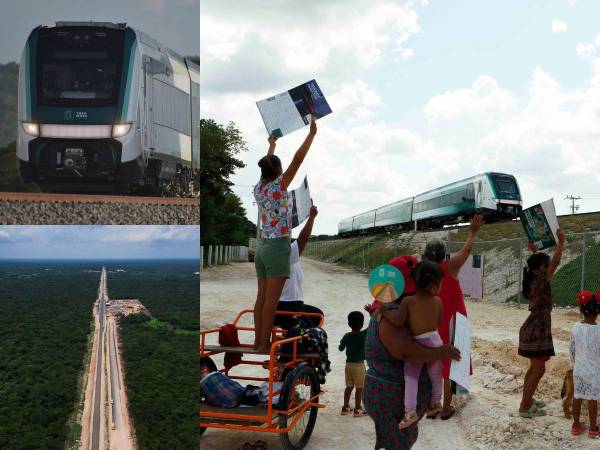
583, 297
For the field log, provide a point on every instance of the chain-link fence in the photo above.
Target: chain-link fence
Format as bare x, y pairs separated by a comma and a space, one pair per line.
503, 260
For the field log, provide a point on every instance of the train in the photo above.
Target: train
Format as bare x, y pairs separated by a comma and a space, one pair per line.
103, 105
494, 195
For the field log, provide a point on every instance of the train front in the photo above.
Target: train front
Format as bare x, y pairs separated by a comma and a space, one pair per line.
506, 195
76, 117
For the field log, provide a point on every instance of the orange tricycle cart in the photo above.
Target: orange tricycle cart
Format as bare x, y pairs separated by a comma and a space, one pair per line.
294, 416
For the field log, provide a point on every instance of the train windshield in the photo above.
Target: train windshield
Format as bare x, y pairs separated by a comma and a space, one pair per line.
79, 66
506, 185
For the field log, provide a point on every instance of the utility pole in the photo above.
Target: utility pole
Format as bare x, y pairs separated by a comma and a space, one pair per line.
574, 207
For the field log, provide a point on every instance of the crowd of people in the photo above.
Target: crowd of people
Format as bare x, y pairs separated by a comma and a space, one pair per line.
407, 344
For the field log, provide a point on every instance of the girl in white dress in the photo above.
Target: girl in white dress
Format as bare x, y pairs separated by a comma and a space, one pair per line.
585, 359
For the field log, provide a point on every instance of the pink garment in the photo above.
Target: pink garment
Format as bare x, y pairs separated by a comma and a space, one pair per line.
412, 371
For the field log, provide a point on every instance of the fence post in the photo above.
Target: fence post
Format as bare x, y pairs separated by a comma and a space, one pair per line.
210, 254
362, 246
520, 274
583, 262
219, 254
201, 257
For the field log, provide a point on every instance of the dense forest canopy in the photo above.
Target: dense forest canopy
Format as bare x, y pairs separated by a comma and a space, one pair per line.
222, 215
45, 317
161, 365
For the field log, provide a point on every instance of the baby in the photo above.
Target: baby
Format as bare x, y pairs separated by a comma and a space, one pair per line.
422, 313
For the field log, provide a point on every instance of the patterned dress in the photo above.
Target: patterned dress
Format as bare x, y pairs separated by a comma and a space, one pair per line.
535, 335
383, 394
275, 209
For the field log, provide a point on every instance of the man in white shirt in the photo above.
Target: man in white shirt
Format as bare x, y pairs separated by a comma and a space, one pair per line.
292, 298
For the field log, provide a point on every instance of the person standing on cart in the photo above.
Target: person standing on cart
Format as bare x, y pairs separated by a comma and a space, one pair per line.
292, 296
272, 259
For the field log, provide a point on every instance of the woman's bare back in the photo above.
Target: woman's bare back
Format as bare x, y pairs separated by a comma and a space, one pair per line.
423, 314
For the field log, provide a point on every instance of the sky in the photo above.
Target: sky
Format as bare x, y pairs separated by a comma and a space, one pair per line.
423, 93
174, 23
99, 242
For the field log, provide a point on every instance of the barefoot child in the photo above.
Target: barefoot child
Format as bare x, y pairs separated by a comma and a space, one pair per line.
354, 343
585, 359
422, 312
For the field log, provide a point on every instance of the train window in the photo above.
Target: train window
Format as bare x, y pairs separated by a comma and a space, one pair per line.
505, 185
79, 68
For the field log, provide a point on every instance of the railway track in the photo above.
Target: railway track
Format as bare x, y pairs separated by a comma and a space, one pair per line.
87, 198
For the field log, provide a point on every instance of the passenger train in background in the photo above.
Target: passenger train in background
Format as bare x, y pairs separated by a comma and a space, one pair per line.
494, 195
102, 104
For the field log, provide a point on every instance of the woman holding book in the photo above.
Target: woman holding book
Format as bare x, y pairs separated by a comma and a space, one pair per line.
272, 259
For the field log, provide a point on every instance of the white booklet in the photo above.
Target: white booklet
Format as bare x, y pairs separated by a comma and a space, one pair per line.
460, 371
300, 203
291, 110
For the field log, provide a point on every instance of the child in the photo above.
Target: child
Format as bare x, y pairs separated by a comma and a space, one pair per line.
422, 312
585, 359
535, 335
354, 343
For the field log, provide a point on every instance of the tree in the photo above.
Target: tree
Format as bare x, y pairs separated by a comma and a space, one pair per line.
222, 216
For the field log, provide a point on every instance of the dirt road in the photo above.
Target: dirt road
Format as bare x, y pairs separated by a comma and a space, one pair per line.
486, 419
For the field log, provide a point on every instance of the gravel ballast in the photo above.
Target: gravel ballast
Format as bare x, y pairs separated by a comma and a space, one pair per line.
71, 213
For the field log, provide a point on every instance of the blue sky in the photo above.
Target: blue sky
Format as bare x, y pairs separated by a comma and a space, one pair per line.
175, 23
99, 242
423, 93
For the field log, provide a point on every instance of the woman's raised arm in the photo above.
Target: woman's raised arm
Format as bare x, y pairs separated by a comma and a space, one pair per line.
290, 172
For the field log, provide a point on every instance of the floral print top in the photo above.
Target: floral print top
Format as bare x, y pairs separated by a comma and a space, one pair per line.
275, 209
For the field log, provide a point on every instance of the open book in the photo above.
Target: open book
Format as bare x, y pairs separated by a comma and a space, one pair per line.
291, 110
540, 223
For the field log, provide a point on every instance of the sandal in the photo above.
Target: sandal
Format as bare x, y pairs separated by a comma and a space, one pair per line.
448, 415
576, 430
359, 412
409, 418
434, 410
346, 410
594, 434
532, 412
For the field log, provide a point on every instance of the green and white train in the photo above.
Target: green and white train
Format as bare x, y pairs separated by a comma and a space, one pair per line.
494, 195
104, 105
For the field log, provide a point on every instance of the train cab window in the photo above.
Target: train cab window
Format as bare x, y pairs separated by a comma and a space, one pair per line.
505, 185
79, 66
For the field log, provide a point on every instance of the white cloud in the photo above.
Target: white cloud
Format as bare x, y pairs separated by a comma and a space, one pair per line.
149, 233
585, 51
271, 49
558, 26
407, 53
597, 40
484, 100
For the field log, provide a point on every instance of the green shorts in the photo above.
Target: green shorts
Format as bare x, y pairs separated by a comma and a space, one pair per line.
272, 258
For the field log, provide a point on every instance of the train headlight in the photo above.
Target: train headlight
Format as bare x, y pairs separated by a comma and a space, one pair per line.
120, 129
32, 129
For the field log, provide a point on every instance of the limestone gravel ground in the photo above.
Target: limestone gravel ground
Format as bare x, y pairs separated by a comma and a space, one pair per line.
486, 419
63, 213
